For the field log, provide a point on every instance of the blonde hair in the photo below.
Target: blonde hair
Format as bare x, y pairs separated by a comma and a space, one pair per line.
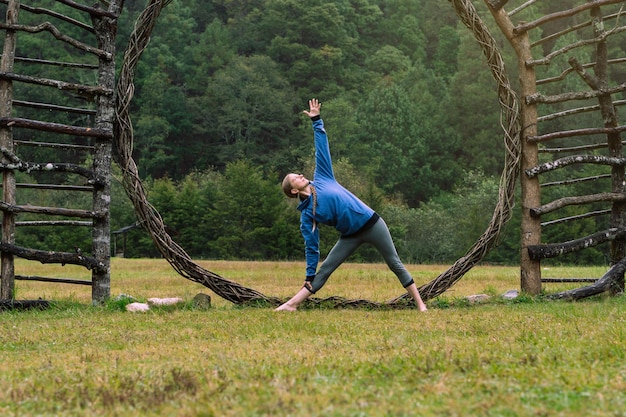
287, 187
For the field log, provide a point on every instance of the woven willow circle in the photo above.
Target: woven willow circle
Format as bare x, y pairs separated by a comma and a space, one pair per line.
238, 294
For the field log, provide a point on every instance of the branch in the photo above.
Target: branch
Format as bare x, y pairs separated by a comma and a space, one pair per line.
49, 27
573, 28
63, 258
525, 27
580, 216
546, 60
497, 4
574, 159
538, 252
577, 132
94, 11
571, 201
86, 91
591, 80
52, 211
582, 95
22, 166
576, 180
570, 112
39, 10
609, 282
55, 127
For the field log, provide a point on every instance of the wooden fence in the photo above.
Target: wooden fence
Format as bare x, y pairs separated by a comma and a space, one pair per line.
69, 118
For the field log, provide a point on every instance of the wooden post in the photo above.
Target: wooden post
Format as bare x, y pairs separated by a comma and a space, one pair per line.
609, 115
6, 141
106, 29
530, 270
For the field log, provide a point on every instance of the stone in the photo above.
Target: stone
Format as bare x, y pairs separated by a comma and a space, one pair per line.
477, 298
202, 301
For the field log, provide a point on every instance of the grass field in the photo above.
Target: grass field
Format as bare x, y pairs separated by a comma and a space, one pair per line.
527, 357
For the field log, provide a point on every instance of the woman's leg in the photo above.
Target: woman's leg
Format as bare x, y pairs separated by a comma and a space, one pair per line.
339, 253
380, 237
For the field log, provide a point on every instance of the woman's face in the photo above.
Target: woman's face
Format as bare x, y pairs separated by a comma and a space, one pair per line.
298, 182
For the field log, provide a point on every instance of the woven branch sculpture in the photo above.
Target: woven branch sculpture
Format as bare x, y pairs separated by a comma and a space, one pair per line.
238, 294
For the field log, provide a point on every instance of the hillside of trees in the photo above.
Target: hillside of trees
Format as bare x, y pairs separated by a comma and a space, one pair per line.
409, 105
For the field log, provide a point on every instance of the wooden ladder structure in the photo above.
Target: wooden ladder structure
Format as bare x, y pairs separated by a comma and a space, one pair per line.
70, 119
581, 42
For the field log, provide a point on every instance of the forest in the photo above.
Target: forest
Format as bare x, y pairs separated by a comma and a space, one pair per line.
409, 105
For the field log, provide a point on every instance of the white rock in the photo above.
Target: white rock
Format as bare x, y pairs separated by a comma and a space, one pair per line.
137, 307
477, 298
164, 301
510, 294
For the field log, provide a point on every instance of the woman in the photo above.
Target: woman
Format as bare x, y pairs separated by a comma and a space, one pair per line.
325, 201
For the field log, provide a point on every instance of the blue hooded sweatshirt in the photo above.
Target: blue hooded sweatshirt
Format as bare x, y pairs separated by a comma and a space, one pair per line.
336, 206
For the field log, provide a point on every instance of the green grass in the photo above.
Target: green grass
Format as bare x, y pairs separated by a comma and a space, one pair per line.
527, 357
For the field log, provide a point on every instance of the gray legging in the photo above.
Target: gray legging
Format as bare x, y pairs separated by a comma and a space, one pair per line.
379, 236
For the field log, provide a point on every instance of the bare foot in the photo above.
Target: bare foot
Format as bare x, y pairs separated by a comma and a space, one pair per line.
285, 307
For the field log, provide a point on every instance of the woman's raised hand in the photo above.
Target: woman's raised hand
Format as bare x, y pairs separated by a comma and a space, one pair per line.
314, 108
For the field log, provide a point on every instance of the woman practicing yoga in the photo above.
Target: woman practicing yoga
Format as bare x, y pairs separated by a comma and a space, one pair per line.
325, 201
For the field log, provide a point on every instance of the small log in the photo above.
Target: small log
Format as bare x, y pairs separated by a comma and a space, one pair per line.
610, 282
538, 252
24, 304
46, 257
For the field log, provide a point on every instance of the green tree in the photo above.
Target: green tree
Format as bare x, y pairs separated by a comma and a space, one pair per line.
250, 217
215, 49
389, 60
473, 88
246, 113
445, 62
152, 130
317, 45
